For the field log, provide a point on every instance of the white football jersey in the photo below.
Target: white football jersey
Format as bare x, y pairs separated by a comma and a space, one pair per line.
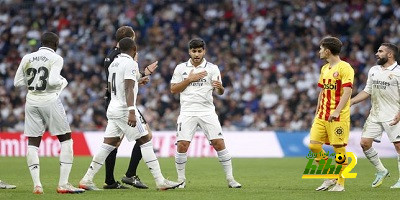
122, 68
197, 99
384, 87
40, 73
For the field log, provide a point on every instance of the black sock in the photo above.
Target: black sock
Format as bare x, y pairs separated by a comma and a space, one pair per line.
110, 164
135, 158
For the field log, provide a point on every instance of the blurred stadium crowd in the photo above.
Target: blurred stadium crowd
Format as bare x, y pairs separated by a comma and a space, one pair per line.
267, 52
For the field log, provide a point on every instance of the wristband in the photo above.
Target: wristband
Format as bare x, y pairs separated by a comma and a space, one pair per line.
149, 70
131, 108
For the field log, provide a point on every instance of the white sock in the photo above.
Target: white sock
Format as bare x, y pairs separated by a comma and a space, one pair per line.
226, 162
372, 156
398, 164
66, 160
150, 158
98, 161
32, 158
180, 164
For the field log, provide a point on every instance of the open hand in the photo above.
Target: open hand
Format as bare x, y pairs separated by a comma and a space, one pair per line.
196, 76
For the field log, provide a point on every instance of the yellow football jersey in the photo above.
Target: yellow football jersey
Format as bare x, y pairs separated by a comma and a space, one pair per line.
332, 81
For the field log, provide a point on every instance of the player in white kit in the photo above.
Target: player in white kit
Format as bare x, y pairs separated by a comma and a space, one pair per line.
124, 118
39, 72
195, 80
383, 86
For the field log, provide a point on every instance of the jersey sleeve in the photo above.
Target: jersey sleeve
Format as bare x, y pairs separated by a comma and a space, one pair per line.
55, 79
368, 86
131, 71
347, 76
177, 76
19, 79
216, 76
320, 81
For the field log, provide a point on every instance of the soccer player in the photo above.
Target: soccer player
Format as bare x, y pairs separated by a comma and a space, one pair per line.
383, 88
332, 121
4, 185
195, 80
124, 119
130, 176
40, 73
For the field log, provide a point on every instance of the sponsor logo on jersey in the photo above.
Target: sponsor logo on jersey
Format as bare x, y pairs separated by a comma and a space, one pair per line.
380, 84
330, 86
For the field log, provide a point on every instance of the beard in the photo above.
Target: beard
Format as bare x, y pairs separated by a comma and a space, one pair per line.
382, 61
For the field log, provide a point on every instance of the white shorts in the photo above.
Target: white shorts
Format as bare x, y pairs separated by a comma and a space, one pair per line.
119, 127
187, 126
52, 115
374, 130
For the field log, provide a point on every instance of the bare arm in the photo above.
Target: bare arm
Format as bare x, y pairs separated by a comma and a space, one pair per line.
129, 86
319, 101
359, 97
179, 87
218, 86
343, 100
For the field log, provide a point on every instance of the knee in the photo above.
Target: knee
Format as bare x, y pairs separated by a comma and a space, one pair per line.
365, 145
397, 146
182, 146
218, 144
144, 139
112, 141
315, 148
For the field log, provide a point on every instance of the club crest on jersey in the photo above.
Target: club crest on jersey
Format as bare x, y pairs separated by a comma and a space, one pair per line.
391, 76
336, 74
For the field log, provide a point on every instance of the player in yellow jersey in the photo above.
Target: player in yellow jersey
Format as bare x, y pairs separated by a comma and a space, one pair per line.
332, 121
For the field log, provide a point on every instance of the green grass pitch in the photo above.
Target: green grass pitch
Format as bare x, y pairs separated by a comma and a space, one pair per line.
278, 178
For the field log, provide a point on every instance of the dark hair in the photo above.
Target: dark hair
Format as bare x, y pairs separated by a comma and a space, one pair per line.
393, 48
127, 44
197, 43
49, 39
333, 44
123, 32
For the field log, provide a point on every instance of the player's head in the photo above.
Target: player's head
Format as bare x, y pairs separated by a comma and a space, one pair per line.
329, 46
386, 52
49, 39
197, 50
123, 32
128, 46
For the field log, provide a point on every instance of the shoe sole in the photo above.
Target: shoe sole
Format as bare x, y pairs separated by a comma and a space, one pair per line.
69, 192
235, 187
380, 182
88, 188
169, 188
324, 189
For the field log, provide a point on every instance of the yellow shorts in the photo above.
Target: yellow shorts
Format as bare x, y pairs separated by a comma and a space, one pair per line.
331, 133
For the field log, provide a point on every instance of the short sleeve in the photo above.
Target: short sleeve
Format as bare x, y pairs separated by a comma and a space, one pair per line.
347, 76
177, 76
368, 86
131, 71
216, 75
320, 81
